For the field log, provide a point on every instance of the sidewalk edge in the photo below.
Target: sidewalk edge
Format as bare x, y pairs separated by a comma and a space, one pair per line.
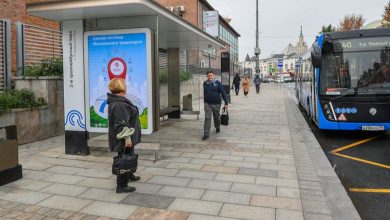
339, 203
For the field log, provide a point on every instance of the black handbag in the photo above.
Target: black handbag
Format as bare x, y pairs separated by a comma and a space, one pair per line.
125, 163
225, 117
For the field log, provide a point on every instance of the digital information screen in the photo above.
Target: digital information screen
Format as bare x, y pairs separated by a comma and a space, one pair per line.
122, 54
361, 44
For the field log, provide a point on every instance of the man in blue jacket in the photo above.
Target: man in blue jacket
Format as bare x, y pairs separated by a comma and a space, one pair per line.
212, 91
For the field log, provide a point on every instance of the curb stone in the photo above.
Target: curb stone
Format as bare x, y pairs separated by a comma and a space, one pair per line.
338, 201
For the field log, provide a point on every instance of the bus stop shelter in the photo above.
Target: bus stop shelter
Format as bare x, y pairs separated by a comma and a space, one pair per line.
105, 39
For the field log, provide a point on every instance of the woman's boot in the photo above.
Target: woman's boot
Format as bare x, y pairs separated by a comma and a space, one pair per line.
133, 177
121, 184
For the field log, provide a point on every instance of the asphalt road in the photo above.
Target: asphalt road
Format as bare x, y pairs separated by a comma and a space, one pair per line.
362, 170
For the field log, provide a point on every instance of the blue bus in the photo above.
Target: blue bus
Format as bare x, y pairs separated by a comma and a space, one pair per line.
344, 82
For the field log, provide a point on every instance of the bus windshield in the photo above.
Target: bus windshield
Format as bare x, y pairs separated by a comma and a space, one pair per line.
356, 66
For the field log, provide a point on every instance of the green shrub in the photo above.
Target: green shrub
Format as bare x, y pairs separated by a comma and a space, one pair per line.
19, 99
185, 75
47, 67
163, 76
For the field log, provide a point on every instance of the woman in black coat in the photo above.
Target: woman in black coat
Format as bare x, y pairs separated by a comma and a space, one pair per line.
124, 128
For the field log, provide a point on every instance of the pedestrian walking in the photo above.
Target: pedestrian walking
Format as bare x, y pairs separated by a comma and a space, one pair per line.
236, 83
245, 86
257, 82
124, 129
213, 90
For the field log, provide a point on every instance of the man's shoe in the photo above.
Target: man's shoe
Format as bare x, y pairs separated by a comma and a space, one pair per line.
205, 137
218, 130
126, 189
134, 178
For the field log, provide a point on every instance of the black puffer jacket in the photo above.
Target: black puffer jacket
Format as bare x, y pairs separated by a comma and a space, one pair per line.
122, 113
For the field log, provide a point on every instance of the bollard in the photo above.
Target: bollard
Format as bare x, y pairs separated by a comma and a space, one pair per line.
10, 169
187, 102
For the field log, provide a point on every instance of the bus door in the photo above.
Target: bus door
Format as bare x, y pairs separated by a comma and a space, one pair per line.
314, 95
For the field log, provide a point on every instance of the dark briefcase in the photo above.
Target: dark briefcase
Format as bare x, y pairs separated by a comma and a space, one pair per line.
225, 117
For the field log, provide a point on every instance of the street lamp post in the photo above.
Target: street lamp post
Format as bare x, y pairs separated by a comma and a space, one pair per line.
257, 49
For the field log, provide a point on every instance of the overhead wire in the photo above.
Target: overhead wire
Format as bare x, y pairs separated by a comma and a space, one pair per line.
286, 36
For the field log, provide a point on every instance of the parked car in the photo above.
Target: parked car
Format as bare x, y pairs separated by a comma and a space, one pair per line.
265, 80
287, 79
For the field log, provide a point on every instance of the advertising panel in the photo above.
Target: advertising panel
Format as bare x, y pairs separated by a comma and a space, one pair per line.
74, 103
122, 54
211, 23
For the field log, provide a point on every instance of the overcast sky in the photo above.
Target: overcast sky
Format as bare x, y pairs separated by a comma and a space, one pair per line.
280, 20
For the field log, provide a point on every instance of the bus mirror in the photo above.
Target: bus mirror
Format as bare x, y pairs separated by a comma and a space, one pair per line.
316, 56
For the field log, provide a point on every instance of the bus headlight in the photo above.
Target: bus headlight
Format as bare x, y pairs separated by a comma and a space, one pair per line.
328, 111
326, 107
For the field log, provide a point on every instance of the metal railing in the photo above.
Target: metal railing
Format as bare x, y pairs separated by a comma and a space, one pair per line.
35, 44
5, 54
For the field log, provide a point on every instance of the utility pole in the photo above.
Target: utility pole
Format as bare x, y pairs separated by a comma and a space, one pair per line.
257, 49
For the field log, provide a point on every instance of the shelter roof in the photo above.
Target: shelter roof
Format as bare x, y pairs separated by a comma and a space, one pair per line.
173, 31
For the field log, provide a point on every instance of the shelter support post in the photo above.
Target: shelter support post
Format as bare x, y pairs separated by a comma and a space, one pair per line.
174, 81
76, 135
76, 142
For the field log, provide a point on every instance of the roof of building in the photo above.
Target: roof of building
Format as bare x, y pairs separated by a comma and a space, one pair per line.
306, 55
247, 58
250, 59
293, 55
205, 2
290, 49
301, 35
373, 24
277, 56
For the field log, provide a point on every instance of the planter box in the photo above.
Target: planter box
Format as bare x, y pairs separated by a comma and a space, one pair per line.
34, 124
43, 122
50, 88
7, 119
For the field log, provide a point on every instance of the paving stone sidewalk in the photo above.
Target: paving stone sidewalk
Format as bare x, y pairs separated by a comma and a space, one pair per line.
265, 165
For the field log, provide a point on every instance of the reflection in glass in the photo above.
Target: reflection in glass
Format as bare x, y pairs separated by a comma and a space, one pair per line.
346, 68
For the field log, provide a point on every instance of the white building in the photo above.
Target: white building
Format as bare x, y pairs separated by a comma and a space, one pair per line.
269, 66
250, 65
291, 54
307, 67
265, 67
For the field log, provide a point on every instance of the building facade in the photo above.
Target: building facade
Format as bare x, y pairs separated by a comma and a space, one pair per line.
269, 66
193, 12
292, 53
301, 46
15, 11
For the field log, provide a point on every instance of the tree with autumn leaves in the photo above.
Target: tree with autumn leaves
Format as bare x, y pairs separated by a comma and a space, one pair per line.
355, 22
386, 16
351, 22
